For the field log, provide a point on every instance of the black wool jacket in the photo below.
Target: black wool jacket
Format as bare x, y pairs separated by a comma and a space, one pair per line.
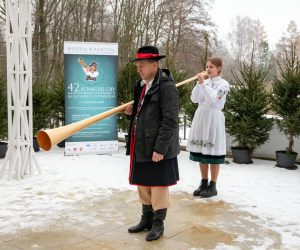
157, 123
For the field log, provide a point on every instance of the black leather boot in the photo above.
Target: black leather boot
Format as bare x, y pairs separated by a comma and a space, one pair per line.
146, 220
210, 191
202, 187
157, 225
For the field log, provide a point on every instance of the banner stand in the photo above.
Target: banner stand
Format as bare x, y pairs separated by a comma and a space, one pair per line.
91, 89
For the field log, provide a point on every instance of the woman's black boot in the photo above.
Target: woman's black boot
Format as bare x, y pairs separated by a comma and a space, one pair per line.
210, 191
157, 225
202, 187
146, 220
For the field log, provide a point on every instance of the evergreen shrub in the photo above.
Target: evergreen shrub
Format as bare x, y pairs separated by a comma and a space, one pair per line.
3, 109
127, 76
285, 99
246, 106
57, 98
41, 105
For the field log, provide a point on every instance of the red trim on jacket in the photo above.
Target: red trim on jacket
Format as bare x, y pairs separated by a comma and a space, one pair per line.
132, 142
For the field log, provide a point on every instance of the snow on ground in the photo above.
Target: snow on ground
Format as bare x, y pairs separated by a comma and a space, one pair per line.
272, 194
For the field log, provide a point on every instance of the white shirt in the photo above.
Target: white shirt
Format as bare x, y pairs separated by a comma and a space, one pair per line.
89, 73
211, 93
148, 85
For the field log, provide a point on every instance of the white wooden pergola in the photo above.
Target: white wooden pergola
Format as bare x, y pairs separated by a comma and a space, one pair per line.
20, 156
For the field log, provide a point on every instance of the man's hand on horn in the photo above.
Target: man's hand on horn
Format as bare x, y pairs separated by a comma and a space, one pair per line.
157, 157
128, 110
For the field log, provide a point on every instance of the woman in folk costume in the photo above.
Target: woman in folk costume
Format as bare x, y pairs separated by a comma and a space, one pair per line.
153, 142
207, 139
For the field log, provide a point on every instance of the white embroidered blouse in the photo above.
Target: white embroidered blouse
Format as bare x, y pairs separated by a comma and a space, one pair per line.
211, 93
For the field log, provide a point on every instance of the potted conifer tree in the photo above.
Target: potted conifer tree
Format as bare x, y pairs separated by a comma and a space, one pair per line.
3, 117
285, 103
246, 105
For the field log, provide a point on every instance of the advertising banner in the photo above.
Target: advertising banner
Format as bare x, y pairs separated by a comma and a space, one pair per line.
91, 89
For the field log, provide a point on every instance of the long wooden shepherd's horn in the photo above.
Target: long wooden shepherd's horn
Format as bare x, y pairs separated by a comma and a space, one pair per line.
49, 138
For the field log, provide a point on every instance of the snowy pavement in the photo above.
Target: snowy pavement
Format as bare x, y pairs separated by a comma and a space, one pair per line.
270, 194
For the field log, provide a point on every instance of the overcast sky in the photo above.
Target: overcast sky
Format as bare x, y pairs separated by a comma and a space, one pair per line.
275, 15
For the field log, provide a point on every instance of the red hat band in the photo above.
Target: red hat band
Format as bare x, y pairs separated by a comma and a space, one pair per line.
146, 55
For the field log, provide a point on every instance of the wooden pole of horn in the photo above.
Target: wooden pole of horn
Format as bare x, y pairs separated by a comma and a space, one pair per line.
49, 138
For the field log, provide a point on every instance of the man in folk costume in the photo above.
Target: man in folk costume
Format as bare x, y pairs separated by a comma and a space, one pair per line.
153, 142
91, 71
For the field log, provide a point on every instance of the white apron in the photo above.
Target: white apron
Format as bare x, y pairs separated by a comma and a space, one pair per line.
207, 135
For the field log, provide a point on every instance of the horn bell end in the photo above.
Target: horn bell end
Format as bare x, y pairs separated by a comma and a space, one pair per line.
44, 140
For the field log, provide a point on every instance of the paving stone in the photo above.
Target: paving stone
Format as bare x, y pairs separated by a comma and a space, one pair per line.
106, 219
248, 227
18, 234
51, 240
205, 237
117, 198
190, 208
122, 239
6, 246
89, 245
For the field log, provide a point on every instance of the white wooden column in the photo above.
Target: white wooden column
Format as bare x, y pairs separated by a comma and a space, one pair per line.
20, 156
